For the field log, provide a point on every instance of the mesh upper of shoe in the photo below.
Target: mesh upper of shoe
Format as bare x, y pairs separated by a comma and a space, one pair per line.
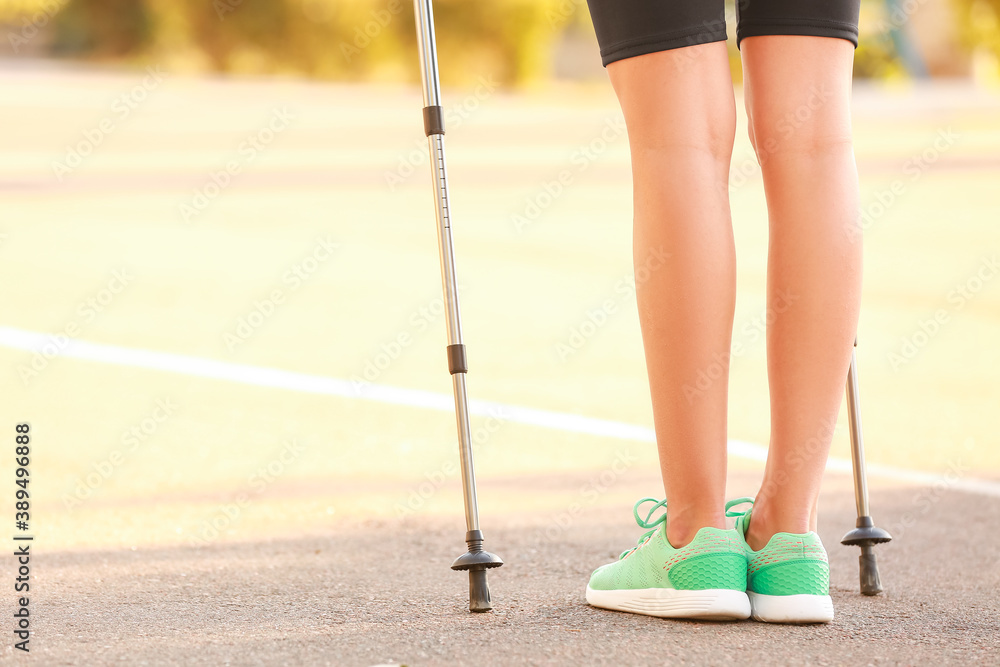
784, 547
650, 564
790, 564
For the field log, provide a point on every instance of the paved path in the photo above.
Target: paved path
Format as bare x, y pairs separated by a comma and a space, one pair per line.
380, 592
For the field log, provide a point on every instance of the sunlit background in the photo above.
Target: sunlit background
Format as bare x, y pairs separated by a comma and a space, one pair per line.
221, 312
246, 182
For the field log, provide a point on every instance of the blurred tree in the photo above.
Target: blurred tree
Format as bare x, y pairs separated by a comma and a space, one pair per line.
109, 29
979, 24
508, 40
876, 56
511, 41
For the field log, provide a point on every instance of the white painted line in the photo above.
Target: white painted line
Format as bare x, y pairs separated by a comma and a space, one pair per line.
260, 376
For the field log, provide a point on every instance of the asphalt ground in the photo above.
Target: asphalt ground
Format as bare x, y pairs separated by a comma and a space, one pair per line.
380, 591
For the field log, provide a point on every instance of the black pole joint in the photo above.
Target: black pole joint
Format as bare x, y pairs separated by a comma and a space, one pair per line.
433, 120
456, 359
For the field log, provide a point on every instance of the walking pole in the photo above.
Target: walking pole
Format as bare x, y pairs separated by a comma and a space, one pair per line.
866, 535
476, 560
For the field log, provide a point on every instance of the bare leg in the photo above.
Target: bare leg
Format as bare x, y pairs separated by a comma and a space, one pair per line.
680, 112
798, 92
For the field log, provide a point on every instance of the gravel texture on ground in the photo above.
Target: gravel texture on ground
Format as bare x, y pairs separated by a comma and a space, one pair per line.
381, 592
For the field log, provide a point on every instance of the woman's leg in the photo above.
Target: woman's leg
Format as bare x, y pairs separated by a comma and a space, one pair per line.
680, 112
797, 91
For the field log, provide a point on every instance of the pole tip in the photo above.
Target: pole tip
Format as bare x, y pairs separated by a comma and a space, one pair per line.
479, 592
870, 582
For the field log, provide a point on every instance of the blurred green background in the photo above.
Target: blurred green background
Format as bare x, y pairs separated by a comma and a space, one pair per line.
522, 41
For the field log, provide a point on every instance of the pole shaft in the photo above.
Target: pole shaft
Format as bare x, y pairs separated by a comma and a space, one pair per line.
465, 452
857, 439
449, 283
427, 48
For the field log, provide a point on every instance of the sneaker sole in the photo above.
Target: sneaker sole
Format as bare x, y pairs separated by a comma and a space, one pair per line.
709, 604
791, 608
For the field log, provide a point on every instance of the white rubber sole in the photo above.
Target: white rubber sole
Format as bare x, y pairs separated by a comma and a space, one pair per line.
791, 608
710, 604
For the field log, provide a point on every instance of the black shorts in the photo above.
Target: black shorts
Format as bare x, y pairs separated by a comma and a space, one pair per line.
627, 28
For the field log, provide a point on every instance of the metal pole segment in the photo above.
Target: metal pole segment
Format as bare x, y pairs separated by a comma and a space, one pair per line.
857, 439
427, 48
465, 450
449, 283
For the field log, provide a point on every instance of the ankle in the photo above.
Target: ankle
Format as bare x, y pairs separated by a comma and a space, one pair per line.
765, 523
682, 530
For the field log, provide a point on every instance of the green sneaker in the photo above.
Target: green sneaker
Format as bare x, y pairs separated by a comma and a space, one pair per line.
705, 579
788, 581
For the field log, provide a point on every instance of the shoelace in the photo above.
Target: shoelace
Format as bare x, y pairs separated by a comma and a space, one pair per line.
647, 522
741, 516
738, 501
652, 525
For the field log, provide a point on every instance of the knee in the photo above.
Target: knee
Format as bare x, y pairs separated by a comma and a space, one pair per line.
789, 141
815, 126
721, 135
716, 132
708, 133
